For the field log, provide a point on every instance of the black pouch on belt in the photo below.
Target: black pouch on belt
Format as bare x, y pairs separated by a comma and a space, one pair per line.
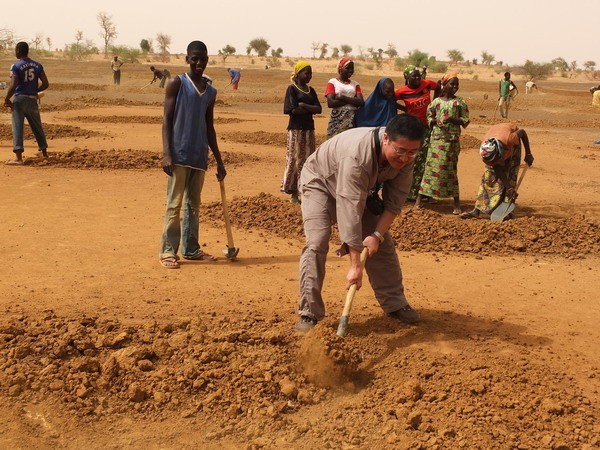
374, 201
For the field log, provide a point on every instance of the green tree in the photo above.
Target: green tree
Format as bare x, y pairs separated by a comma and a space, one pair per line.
573, 65
226, 51
455, 56
376, 56
417, 58
487, 58
276, 53
323, 50
108, 30
537, 71
589, 65
146, 45
345, 49
127, 54
391, 51
335, 53
560, 64
259, 45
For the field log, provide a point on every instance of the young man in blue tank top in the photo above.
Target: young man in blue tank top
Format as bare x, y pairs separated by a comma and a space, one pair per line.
187, 134
25, 77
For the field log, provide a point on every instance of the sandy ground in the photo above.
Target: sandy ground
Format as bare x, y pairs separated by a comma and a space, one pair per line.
101, 347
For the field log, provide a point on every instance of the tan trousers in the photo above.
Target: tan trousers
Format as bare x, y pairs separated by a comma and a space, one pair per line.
383, 270
504, 105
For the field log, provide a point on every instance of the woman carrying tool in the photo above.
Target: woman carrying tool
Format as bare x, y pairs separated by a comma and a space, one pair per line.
416, 95
501, 153
301, 103
344, 97
446, 115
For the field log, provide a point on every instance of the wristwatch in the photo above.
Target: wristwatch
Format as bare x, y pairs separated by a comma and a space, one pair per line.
378, 235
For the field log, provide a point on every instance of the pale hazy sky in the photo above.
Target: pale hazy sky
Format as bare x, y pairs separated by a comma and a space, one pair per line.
512, 30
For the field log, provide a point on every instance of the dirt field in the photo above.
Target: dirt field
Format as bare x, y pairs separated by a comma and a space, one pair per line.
101, 347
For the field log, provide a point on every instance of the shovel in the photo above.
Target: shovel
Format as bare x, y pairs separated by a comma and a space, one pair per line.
230, 251
505, 208
341, 331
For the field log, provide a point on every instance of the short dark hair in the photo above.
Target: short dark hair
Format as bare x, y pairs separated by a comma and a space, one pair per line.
405, 125
196, 46
22, 48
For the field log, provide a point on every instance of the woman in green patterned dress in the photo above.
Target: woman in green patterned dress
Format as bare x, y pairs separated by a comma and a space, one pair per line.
445, 115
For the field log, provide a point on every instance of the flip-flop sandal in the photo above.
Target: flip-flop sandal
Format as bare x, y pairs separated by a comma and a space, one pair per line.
457, 212
14, 162
467, 215
201, 257
170, 263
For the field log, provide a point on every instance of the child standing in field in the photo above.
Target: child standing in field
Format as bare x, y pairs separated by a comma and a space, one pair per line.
446, 115
344, 97
505, 88
188, 132
301, 103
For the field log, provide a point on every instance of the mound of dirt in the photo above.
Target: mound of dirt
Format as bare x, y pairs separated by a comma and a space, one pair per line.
119, 119
229, 120
89, 101
77, 87
142, 119
261, 138
78, 158
52, 132
467, 141
238, 377
428, 231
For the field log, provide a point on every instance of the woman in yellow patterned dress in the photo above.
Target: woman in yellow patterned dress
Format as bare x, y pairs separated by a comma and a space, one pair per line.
445, 115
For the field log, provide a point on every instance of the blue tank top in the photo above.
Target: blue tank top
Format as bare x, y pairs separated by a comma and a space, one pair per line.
27, 72
190, 140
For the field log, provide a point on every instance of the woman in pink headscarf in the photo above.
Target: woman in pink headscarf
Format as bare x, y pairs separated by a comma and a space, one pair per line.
344, 97
445, 115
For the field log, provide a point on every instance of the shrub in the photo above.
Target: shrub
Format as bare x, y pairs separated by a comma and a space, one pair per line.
126, 54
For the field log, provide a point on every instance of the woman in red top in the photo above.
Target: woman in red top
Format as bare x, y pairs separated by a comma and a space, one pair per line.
416, 95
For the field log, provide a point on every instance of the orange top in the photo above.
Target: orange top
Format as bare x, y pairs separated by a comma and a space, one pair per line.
506, 133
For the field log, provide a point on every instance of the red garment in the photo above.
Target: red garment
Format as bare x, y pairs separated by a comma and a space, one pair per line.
417, 100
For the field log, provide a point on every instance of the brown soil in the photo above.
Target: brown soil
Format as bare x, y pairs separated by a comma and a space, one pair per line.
120, 159
101, 347
52, 132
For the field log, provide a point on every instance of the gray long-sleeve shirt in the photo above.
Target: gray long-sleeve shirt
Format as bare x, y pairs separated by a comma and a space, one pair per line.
346, 167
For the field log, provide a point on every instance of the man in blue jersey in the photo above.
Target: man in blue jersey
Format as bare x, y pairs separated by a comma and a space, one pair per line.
187, 134
26, 75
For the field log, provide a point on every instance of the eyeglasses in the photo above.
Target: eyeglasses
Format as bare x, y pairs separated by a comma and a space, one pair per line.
402, 152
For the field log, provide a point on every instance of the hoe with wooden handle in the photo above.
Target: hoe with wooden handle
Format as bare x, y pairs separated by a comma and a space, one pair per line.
230, 251
341, 331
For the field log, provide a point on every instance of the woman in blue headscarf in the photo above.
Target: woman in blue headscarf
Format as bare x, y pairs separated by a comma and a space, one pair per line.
380, 107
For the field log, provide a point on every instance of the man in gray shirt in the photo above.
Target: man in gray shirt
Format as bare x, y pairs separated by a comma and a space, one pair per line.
334, 183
